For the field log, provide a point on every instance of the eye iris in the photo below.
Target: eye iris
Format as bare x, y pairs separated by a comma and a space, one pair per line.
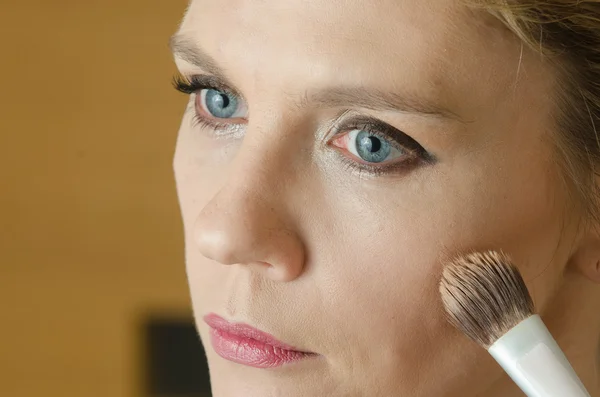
220, 105
372, 148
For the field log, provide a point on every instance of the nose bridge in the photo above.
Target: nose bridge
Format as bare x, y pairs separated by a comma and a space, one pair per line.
251, 188
255, 182
248, 220
268, 149
249, 194
256, 171
272, 150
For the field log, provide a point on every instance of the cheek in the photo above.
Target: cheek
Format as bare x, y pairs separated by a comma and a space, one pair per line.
378, 291
379, 276
382, 293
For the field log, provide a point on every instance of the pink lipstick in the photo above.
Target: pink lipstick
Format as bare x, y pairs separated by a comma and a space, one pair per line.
249, 346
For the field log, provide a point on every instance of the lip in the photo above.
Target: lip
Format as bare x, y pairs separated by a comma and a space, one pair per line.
244, 344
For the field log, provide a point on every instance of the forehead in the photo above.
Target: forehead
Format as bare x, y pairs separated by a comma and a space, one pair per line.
339, 18
439, 47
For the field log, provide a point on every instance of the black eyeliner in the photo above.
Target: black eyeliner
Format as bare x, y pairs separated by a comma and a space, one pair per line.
384, 130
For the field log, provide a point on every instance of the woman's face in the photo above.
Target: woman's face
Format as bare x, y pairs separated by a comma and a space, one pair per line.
334, 154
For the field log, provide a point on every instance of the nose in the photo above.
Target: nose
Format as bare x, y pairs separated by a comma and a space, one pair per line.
248, 223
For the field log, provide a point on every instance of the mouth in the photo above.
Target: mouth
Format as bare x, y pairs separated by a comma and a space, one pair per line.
246, 345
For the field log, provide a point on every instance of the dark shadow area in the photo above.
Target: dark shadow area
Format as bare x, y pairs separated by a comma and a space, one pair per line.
175, 360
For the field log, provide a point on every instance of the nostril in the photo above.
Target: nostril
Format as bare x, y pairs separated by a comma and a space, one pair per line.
260, 267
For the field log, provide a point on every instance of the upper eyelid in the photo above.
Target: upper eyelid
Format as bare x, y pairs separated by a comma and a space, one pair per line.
371, 125
203, 81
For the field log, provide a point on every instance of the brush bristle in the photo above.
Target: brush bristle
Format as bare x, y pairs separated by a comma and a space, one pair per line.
485, 296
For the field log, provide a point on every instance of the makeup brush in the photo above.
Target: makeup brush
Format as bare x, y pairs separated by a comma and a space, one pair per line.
486, 298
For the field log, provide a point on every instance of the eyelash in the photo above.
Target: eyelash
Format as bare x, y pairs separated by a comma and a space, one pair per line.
194, 84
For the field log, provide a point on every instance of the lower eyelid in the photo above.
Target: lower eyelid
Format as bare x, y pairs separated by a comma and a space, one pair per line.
220, 130
397, 168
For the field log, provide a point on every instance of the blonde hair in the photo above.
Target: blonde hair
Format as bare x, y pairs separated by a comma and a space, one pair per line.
567, 34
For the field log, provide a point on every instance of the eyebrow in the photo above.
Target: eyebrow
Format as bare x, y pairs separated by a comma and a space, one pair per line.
363, 97
185, 49
378, 100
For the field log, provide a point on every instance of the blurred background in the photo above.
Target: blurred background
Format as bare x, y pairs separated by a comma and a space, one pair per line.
93, 295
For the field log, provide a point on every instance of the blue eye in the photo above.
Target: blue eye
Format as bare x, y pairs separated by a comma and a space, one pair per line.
220, 104
370, 147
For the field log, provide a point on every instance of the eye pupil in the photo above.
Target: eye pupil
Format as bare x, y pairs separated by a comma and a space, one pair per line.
371, 143
223, 99
372, 148
220, 104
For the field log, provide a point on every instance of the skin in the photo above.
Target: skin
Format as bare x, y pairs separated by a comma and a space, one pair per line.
283, 234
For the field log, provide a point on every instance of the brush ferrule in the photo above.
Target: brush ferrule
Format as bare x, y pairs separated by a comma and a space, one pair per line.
532, 358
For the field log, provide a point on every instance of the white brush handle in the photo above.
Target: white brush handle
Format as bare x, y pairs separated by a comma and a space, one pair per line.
530, 356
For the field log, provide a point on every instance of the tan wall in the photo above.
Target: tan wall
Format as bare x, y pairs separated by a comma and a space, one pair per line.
90, 236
